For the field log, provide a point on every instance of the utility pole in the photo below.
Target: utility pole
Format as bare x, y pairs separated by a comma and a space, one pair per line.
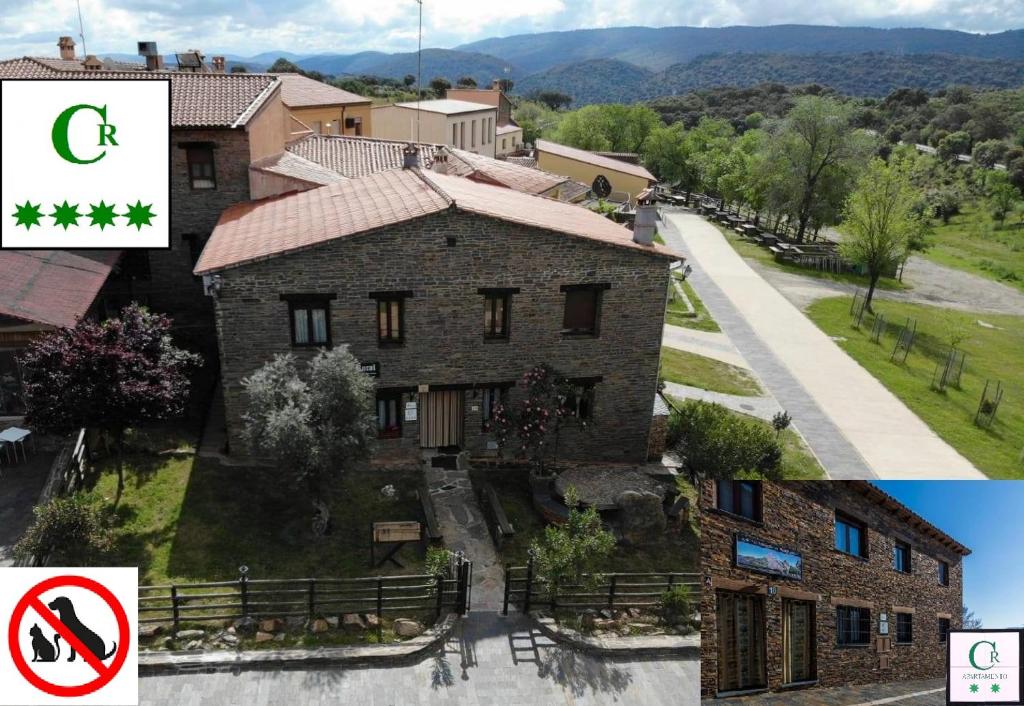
419, 69
81, 29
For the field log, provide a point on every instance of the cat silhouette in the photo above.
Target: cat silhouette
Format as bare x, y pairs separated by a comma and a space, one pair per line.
42, 650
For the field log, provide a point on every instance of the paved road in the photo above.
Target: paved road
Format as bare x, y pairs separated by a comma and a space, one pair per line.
494, 661
854, 425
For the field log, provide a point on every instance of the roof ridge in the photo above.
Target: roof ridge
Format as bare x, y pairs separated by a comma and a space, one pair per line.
418, 171
371, 138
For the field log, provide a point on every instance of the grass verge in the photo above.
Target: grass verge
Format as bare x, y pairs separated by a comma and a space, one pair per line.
695, 370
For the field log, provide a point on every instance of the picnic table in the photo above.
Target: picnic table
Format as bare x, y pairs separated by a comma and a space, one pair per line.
13, 438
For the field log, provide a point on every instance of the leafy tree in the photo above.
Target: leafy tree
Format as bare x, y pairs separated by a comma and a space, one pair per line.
409, 80
584, 128
880, 220
466, 82
969, 621
439, 85
570, 554
66, 531
113, 375
1003, 196
953, 145
715, 443
944, 202
754, 120
554, 100
615, 127
311, 426
665, 154
708, 146
986, 154
820, 148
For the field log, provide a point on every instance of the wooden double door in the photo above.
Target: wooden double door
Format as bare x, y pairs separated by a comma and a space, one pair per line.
441, 418
742, 649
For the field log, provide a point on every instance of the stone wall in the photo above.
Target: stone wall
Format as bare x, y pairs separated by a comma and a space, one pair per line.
445, 345
800, 517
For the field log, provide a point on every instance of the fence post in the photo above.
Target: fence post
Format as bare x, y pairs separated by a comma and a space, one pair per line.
243, 588
611, 592
312, 599
529, 583
504, 606
380, 608
439, 579
174, 607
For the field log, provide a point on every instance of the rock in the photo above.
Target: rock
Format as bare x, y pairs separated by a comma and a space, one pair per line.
333, 622
231, 630
164, 643
246, 626
607, 614
263, 637
681, 629
319, 625
279, 637
404, 627
604, 624
388, 491
148, 631
353, 621
294, 622
194, 645
634, 612
229, 639
271, 625
371, 620
642, 517
189, 634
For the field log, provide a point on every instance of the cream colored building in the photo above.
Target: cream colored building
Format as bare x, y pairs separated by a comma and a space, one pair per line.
325, 109
508, 140
626, 180
467, 126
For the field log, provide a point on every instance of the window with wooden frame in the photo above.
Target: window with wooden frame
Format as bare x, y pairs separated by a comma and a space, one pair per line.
497, 311
739, 497
901, 557
492, 398
389, 414
904, 628
943, 573
390, 317
853, 625
309, 318
579, 401
201, 172
582, 309
943, 630
851, 536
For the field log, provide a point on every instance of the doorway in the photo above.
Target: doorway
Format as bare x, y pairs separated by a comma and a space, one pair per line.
741, 642
441, 417
798, 644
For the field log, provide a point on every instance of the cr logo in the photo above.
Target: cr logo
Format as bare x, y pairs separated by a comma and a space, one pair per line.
59, 134
992, 656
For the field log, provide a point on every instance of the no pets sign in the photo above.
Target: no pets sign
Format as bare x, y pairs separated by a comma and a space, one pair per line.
85, 163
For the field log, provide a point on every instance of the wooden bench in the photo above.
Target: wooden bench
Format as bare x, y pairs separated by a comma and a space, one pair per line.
432, 527
500, 526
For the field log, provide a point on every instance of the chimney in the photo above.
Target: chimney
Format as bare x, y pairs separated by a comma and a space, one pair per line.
154, 61
410, 156
496, 84
646, 217
67, 48
218, 64
440, 162
91, 63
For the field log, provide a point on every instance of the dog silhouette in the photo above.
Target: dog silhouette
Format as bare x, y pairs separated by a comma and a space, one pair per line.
42, 650
65, 610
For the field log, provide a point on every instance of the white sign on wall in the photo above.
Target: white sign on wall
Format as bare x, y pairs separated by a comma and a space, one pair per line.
985, 667
410, 411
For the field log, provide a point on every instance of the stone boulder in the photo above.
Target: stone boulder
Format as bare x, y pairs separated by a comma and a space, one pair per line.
189, 634
319, 625
404, 627
264, 636
271, 625
352, 621
641, 516
371, 620
148, 631
246, 626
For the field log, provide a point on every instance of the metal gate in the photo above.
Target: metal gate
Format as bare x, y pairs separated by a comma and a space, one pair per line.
441, 413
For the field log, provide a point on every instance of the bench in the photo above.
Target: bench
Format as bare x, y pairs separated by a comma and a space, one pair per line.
501, 528
432, 527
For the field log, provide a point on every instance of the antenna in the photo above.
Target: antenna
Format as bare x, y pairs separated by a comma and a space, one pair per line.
81, 28
419, 68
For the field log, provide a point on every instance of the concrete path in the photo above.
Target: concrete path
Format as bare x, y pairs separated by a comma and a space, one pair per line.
490, 661
915, 693
760, 407
853, 424
706, 343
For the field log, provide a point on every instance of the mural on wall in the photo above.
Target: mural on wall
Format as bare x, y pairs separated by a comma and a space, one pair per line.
767, 559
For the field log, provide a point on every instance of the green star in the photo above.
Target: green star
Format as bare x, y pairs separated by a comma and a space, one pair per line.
139, 215
27, 215
102, 215
974, 688
995, 688
65, 215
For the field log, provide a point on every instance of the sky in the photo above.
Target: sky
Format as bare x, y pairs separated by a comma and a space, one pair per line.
248, 27
988, 518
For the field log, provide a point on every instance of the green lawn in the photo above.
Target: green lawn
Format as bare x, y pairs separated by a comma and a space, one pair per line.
191, 519
696, 370
992, 353
674, 552
798, 463
974, 242
677, 314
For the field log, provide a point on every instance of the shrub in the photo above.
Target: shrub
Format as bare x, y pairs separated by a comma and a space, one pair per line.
436, 562
68, 531
675, 605
716, 443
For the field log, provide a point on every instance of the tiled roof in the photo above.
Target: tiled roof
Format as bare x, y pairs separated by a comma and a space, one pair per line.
258, 230
298, 91
506, 129
356, 156
54, 287
296, 167
446, 106
522, 161
532, 181
197, 99
594, 159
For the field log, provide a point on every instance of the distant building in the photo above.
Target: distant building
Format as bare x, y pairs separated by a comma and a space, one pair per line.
622, 179
468, 126
508, 140
325, 109
821, 583
508, 135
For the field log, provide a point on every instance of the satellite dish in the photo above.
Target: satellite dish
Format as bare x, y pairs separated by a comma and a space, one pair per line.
601, 186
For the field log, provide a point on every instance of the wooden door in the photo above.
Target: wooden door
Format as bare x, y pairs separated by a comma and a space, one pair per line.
441, 418
798, 642
741, 642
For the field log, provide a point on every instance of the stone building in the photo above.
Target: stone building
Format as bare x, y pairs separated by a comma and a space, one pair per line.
447, 290
821, 583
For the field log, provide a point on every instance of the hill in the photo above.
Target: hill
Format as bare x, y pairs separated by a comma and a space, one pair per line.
659, 48
873, 74
449, 63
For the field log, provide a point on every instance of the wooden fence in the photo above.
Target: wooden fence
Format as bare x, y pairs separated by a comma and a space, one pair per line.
525, 590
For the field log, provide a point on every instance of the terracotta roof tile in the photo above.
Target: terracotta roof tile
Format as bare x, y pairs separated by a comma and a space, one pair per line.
54, 287
356, 156
594, 159
298, 91
258, 230
296, 167
514, 176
